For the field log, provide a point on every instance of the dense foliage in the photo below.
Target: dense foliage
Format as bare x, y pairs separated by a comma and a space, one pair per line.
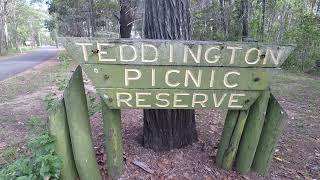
275, 21
43, 163
21, 24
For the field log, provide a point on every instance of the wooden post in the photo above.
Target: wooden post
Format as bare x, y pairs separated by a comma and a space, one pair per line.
113, 142
231, 151
79, 126
60, 131
275, 121
229, 124
251, 134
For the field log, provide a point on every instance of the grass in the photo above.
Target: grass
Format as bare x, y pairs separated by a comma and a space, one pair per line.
31, 81
23, 115
9, 154
36, 125
14, 51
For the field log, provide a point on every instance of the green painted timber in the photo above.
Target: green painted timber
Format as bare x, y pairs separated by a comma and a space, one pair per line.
79, 127
230, 154
181, 53
113, 143
229, 124
251, 134
167, 77
276, 119
60, 131
177, 99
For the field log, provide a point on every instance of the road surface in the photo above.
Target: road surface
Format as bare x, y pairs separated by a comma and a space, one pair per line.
12, 65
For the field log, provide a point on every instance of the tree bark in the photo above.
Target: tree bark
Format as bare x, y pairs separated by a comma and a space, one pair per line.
244, 11
16, 44
223, 19
92, 18
126, 17
263, 19
168, 129
1, 36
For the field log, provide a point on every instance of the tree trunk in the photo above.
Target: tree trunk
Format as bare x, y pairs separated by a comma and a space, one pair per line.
223, 19
245, 18
92, 19
15, 39
263, 20
282, 23
6, 34
168, 129
1, 36
126, 17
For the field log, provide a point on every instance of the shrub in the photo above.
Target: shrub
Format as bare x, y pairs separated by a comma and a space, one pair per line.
43, 163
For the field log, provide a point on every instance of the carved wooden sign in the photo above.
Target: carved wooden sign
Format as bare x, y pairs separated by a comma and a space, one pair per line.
162, 74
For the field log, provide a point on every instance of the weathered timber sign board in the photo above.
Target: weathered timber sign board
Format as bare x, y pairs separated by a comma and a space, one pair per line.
161, 74
178, 98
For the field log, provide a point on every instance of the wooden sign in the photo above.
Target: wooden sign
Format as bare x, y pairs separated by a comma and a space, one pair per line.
162, 74
181, 53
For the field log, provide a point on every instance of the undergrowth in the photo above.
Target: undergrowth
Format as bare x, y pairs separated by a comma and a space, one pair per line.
41, 163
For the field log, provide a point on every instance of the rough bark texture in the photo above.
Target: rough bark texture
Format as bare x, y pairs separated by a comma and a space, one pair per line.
223, 18
93, 29
168, 129
245, 18
167, 19
263, 20
126, 17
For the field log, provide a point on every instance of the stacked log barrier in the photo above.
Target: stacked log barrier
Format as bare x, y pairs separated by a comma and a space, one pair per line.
251, 134
230, 154
229, 124
60, 131
79, 127
257, 130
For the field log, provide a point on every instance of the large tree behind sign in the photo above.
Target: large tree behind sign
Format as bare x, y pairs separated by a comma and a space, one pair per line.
168, 129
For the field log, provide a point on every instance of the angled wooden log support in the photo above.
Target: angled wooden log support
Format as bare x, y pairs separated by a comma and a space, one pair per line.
79, 127
275, 121
230, 153
113, 142
59, 129
251, 134
249, 137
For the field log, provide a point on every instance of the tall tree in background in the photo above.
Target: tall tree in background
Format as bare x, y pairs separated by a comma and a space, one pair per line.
127, 13
263, 14
92, 18
223, 18
4, 5
168, 129
244, 13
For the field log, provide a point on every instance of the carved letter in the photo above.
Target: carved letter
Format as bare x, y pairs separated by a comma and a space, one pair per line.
84, 50
226, 82
125, 100
127, 78
99, 46
156, 56
134, 52
167, 78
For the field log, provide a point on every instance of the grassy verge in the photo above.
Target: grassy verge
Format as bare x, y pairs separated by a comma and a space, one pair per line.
14, 51
29, 153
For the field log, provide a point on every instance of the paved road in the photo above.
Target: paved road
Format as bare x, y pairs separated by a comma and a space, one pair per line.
10, 66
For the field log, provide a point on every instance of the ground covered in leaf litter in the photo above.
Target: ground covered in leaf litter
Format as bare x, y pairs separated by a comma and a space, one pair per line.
297, 154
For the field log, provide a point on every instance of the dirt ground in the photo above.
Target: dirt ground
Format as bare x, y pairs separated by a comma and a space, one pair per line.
297, 155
